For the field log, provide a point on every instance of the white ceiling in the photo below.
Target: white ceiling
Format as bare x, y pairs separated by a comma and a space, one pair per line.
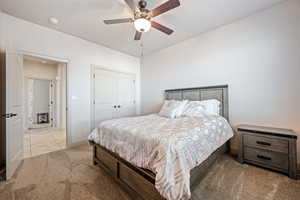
83, 18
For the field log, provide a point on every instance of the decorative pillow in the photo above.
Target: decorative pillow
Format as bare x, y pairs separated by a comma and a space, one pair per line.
180, 108
202, 108
172, 108
194, 109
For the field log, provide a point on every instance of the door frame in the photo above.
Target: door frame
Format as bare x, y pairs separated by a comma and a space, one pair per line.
2, 118
92, 103
68, 99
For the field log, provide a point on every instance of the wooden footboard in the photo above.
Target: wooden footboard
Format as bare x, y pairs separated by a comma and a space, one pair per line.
140, 183
133, 179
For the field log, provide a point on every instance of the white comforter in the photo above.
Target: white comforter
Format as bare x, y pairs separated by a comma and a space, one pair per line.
168, 147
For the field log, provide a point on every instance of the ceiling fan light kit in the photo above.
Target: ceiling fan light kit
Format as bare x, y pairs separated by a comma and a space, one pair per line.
142, 25
142, 19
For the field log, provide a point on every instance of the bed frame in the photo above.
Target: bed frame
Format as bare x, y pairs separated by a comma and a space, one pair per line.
138, 182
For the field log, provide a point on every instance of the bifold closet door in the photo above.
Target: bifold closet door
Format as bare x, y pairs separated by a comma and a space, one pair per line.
105, 95
114, 95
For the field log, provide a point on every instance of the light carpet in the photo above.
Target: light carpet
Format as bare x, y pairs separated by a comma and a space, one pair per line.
70, 175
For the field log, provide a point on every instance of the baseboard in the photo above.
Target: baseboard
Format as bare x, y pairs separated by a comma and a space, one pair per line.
76, 144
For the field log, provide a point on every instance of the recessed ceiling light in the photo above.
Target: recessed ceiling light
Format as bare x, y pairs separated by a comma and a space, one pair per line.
53, 20
44, 62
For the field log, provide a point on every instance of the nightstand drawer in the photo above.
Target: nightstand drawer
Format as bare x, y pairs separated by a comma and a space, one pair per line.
267, 158
272, 144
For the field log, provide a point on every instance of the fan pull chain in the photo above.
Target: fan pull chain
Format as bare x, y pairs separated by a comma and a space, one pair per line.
142, 48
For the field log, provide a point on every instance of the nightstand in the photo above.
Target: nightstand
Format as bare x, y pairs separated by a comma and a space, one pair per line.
271, 148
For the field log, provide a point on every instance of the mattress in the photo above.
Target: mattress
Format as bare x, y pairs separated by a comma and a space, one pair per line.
168, 147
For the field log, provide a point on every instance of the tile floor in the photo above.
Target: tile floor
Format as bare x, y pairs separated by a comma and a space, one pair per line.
43, 140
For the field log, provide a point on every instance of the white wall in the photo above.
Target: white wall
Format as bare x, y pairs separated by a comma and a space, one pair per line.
1, 30
20, 35
38, 70
258, 57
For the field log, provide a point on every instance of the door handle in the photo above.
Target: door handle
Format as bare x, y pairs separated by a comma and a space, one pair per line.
10, 115
13, 114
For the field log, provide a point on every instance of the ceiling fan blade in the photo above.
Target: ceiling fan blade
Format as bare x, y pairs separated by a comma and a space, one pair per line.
169, 5
131, 4
161, 28
138, 35
118, 21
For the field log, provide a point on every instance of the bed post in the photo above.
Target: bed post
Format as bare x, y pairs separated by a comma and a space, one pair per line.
92, 143
94, 155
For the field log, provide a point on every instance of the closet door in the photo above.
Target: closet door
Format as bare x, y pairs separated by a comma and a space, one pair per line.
105, 95
126, 95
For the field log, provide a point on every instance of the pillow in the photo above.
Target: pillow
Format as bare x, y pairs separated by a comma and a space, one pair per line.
172, 108
202, 108
212, 106
180, 108
169, 109
194, 109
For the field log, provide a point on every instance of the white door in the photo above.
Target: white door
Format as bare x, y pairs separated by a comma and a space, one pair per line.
105, 95
14, 109
126, 95
113, 95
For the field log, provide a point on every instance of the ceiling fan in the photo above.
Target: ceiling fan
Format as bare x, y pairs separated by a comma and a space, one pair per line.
142, 18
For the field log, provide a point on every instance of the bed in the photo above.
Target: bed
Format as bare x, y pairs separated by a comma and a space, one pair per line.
146, 181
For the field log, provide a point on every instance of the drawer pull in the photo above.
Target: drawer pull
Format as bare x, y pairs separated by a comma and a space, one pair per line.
264, 157
263, 143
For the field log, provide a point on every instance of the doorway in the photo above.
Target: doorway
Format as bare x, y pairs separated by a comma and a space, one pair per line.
39, 103
44, 119
17, 138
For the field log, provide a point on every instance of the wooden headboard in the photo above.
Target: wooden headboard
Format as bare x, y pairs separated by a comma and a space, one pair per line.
202, 93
